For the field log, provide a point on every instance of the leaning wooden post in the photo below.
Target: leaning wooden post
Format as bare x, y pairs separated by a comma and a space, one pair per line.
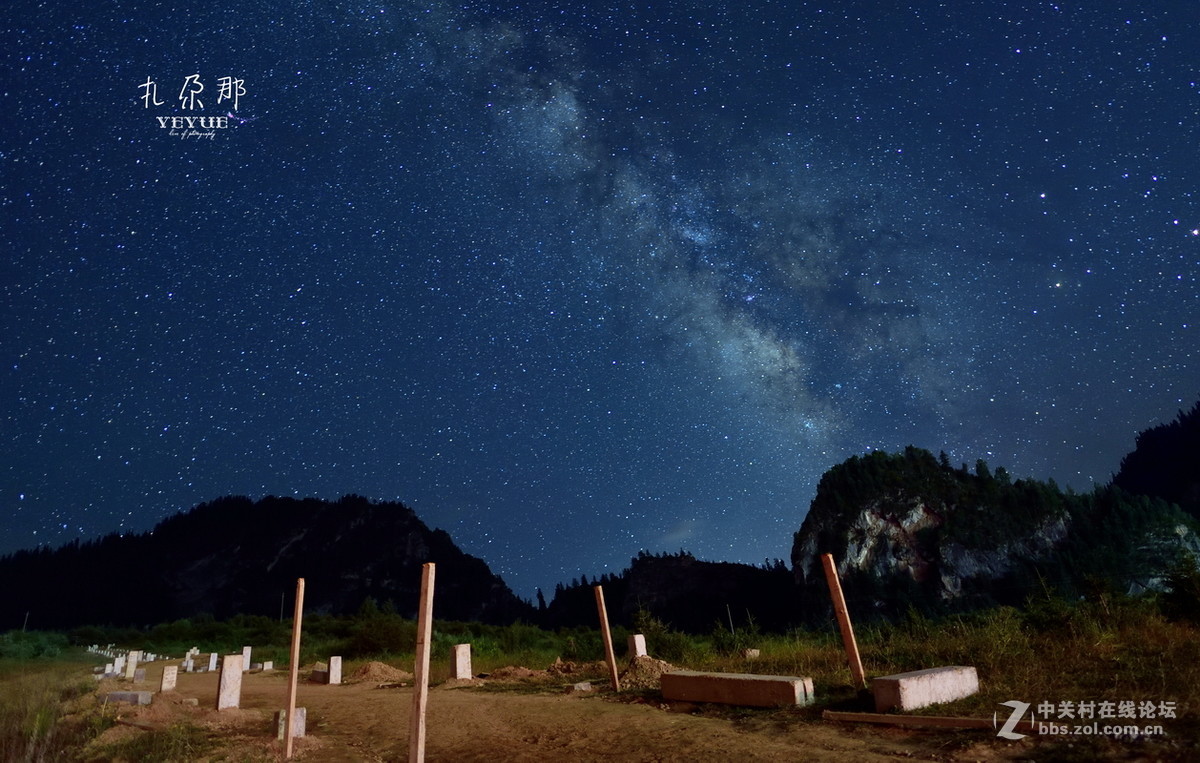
607, 635
294, 671
416, 735
843, 617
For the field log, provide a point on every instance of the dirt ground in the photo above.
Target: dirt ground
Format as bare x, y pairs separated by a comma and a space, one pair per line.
363, 722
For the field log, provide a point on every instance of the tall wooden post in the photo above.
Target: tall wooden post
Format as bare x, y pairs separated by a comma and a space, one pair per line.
607, 636
294, 670
416, 735
843, 618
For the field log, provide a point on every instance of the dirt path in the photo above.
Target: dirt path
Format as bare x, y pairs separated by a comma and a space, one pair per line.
360, 722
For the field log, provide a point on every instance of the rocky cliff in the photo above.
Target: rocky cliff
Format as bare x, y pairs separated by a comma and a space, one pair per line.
907, 530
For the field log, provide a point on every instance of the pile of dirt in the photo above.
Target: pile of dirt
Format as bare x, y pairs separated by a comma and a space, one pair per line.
379, 673
561, 668
515, 671
644, 673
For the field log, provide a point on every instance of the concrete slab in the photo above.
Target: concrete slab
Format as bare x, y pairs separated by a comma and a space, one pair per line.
737, 688
921, 688
132, 697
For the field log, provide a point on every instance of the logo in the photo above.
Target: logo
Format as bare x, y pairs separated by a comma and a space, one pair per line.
1085, 710
193, 122
1018, 709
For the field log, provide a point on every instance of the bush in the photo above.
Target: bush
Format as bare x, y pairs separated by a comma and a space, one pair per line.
661, 640
22, 645
1181, 600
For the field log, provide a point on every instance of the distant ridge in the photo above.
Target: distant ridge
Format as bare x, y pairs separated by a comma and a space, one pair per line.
238, 556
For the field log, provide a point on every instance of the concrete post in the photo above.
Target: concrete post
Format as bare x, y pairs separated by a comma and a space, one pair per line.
460, 666
637, 645
229, 693
169, 677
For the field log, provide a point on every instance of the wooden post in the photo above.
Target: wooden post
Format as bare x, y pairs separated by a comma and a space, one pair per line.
843, 617
294, 671
416, 735
607, 635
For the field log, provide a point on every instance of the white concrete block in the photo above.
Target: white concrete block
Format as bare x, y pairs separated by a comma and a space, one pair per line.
460, 661
920, 688
299, 717
131, 662
637, 646
229, 693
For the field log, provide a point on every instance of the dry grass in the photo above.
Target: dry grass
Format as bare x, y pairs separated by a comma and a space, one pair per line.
36, 698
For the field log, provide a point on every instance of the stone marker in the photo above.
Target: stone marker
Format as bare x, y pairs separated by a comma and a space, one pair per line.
132, 697
139, 676
920, 688
335, 670
119, 665
245, 658
108, 669
188, 665
751, 654
582, 687
460, 661
229, 693
298, 718
319, 673
212, 661
268, 665
637, 646
169, 677
737, 688
131, 664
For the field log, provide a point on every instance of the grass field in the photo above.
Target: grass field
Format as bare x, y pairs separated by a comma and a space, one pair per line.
1111, 649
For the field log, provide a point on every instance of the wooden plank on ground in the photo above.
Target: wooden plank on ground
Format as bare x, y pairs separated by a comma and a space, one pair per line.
925, 721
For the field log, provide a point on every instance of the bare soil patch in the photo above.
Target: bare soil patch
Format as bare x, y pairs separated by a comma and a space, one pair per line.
359, 721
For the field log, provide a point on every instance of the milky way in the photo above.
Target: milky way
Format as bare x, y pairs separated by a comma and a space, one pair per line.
575, 281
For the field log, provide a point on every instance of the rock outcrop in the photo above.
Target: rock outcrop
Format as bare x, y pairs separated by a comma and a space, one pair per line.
907, 530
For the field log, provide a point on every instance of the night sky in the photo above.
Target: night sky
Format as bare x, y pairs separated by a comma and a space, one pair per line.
575, 280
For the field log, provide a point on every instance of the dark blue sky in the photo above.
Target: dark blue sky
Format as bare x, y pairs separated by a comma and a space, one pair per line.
578, 280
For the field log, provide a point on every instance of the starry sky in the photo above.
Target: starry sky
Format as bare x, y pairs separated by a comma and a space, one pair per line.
577, 279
